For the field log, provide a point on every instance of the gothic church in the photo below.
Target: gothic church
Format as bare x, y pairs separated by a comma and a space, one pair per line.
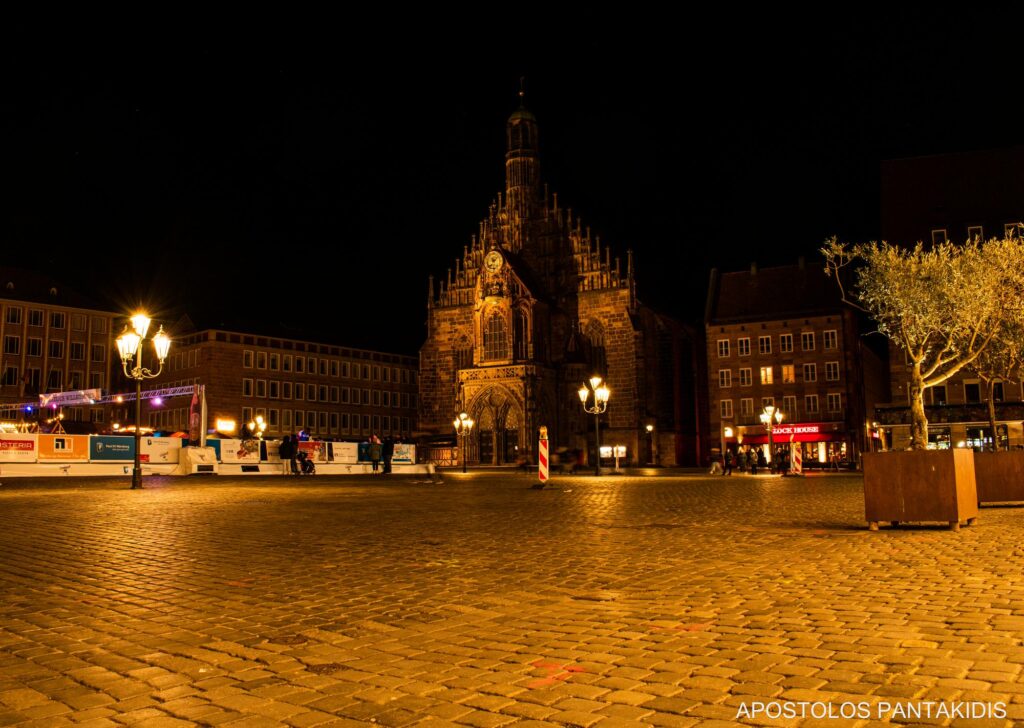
533, 308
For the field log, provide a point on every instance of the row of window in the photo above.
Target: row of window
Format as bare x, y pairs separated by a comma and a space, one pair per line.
833, 401
325, 367
974, 231
54, 380
58, 319
274, 389
34, 347
788, 374
830, 342
318, 423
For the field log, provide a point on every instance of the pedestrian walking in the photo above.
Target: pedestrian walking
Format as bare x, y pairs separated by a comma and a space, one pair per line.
728, 463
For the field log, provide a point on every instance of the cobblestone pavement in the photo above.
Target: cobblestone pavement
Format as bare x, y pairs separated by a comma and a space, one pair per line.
481, 602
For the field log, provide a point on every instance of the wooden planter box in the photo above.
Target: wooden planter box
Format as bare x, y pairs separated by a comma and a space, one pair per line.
920, 485
1000, 476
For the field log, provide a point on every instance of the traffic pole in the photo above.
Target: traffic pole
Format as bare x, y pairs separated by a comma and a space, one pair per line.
542, 458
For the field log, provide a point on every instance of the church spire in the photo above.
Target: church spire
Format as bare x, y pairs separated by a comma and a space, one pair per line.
522, 162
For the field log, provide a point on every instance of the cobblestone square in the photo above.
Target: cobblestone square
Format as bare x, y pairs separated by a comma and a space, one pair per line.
619, 601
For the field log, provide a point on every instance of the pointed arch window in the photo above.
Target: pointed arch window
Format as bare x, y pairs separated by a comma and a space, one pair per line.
495, 338
596, 355
522, 335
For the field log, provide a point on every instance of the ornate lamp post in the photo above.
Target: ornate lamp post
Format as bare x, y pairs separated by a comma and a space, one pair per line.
601, 395
257, 427
767, 416
463, 426
129, 345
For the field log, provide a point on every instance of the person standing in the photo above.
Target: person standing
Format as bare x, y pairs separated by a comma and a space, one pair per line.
285, 452
375, 452
728, 463
387, 451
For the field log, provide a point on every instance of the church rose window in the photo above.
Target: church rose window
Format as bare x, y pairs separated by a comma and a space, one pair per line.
495, 338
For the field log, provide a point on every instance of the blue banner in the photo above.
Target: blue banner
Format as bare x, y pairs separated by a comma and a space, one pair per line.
111, 447
215, 444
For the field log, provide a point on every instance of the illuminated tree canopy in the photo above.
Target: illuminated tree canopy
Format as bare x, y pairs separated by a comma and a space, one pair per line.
943, 305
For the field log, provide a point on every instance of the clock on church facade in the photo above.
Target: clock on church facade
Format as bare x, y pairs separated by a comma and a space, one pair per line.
533, 308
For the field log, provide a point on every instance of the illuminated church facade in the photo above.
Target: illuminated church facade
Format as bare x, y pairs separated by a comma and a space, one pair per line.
534, 307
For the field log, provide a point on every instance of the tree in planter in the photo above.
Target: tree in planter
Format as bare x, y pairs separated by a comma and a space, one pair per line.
1001, 361
942, 305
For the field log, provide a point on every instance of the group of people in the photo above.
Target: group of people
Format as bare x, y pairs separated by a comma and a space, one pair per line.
749, 460
301, 464
381, 450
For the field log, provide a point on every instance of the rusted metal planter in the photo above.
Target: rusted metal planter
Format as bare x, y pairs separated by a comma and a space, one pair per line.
1000, 476
920, 486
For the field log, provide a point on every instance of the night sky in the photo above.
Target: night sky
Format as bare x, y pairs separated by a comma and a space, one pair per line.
308, 176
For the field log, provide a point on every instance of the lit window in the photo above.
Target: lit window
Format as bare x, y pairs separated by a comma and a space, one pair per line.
788, 374
766, 375
495, 338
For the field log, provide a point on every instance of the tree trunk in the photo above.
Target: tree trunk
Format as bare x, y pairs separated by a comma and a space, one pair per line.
991, 386
918, 420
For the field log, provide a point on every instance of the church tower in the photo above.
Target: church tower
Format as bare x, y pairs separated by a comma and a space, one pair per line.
534, 306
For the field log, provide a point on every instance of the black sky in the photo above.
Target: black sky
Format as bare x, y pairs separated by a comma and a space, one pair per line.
312, 174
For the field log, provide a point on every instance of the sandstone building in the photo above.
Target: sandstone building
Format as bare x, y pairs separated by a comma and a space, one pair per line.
533, 307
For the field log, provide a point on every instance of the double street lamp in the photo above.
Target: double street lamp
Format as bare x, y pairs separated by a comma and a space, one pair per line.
463, 426
769, 414
129, 346
601, 395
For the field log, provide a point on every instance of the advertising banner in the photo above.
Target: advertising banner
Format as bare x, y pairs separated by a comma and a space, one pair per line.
111, 447
344, 452
64, 447
17, 448
315, 450
64, 399
160, 449
246, 452
273, 450
404, 453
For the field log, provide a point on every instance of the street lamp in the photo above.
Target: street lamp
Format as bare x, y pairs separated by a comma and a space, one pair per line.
258, 426
463, 425
129, 345
767, 416
650, 444
601, 395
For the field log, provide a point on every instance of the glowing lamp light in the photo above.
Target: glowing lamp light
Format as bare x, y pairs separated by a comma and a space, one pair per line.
583, 393
119, 399
157, 401
128, 344
602, 393
162, 344
227, 426
140, 322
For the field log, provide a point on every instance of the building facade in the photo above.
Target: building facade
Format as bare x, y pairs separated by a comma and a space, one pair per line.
328, 391
781, 337
53, 340
534, 307
952, 197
